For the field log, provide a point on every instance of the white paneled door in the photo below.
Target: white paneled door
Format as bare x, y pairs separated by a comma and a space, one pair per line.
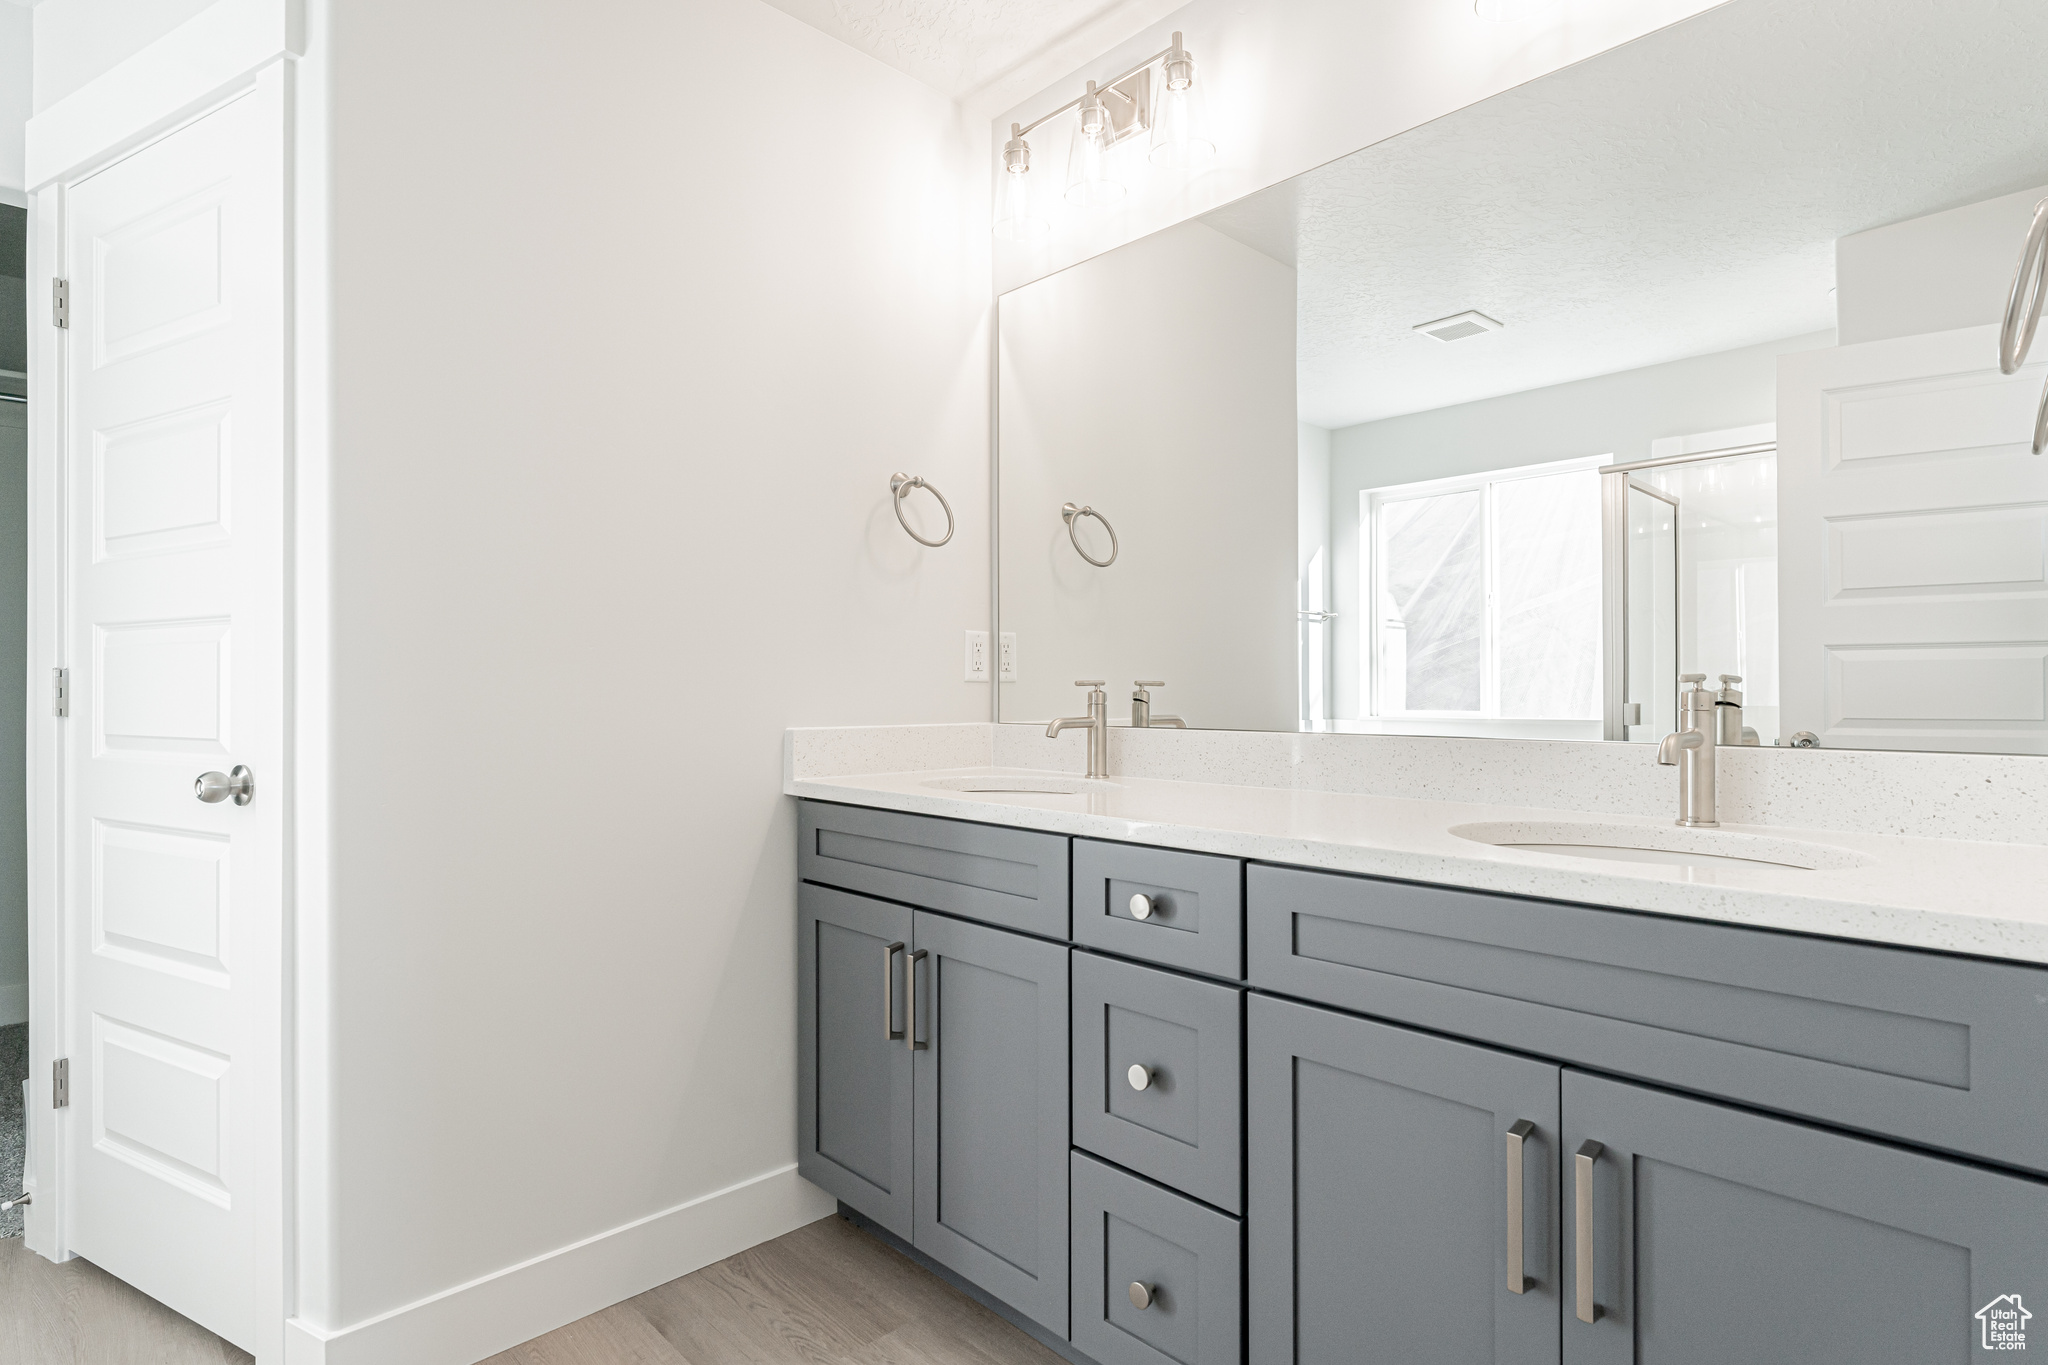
174, 444
1913, 546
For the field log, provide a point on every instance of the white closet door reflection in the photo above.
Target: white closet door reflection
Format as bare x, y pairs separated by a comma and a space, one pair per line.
1432, 607
1547, 593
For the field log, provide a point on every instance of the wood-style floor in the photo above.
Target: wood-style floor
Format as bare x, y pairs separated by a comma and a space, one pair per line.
825, 1294
78, 1314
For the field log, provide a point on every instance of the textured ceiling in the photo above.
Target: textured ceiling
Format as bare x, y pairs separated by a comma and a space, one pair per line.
1675, 197
961, 46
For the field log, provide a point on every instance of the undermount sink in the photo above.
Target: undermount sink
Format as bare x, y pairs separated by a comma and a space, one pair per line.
1021, 784
1674, 846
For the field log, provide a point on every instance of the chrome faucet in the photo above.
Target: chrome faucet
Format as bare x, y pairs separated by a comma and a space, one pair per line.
1097, 721
1141, 710
1728, 706
1691, 749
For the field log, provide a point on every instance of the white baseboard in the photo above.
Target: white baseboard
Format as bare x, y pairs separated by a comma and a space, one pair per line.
473, 1321
13, 1003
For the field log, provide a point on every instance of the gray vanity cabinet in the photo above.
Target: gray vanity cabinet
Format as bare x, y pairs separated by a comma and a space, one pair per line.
854, 1069
1719, 1234
1382, 1210
960, 1144
991, 1112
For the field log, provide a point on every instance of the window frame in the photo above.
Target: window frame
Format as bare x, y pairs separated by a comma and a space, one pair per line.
1372, 572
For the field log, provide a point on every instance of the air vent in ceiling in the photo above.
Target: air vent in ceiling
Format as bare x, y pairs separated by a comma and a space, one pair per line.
1458, 326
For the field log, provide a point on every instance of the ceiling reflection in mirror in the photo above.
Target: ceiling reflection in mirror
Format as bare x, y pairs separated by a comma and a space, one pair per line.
1679, 364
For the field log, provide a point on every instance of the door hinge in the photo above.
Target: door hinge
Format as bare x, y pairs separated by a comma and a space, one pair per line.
60, 1083
60, 302
60, 685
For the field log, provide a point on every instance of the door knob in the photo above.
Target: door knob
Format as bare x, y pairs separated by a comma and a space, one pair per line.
1141, 906
1141, 1294
240, 784
1140, 1077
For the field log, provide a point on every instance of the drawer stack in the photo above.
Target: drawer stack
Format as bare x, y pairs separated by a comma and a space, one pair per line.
1158, 1107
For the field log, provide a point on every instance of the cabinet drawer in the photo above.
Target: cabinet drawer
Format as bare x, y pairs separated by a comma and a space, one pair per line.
1184, 1126
1129, 1232
1193, 909
1949, 1052
1016, 878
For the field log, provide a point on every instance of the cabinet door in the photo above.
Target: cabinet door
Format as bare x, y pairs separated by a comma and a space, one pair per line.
1380, 1214
853, 1077
991, 1105
1722, 1235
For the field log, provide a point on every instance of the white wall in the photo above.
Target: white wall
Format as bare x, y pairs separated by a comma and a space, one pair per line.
1931, 274
1156, 384
1615, 414
76, 40
1291, 86
16, 77
635, 308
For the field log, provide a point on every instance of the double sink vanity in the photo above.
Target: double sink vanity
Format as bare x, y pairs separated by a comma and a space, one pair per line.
1199, 1072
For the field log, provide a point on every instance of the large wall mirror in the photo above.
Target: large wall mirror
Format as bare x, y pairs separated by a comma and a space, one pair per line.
1683, 360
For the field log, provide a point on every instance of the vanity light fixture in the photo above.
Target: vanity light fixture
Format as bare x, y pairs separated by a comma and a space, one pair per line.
1091, 179
1017, 216
1106, 114
1180, 132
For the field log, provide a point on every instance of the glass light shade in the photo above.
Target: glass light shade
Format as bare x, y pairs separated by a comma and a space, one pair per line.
1092, 180
1017, 215
1180, 132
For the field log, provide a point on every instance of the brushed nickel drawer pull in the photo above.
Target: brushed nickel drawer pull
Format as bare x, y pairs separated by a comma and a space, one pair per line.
1582, 1199
1518, 1132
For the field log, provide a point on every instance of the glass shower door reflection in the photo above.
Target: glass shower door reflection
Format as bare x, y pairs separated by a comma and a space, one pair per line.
1650, 614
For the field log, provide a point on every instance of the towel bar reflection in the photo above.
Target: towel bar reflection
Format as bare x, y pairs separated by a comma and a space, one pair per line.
1069, 513
899, 489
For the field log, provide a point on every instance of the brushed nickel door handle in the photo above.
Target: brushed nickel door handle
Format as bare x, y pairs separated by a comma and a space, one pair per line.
910, 1005
1518, 1132
890, 1032
1582, 1201
213, 787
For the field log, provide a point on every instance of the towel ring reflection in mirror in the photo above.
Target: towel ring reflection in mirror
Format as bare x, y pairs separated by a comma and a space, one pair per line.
1070, 514
899, 489
2023, 308
2029, 291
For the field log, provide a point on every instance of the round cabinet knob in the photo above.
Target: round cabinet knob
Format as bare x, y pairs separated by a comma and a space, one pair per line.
1139, 1077
212, 787
1141, 907
1141, 1294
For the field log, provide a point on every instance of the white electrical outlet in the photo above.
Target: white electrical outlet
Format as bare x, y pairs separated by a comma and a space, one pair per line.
977, 656
1006, 657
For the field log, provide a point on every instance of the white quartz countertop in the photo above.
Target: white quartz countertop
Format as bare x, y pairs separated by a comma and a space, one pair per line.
1989, 899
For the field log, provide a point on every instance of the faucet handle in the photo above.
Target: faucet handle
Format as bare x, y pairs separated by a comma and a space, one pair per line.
1087, 682
1730, 679
1140, 682
1693, 679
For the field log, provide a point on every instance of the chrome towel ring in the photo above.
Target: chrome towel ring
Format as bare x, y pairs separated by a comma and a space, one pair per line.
1070, 514
899, 489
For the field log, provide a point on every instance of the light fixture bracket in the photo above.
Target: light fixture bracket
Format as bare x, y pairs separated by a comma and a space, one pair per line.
1129, 104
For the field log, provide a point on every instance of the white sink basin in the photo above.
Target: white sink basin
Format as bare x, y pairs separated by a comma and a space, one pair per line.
1021, 784
1672, 846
